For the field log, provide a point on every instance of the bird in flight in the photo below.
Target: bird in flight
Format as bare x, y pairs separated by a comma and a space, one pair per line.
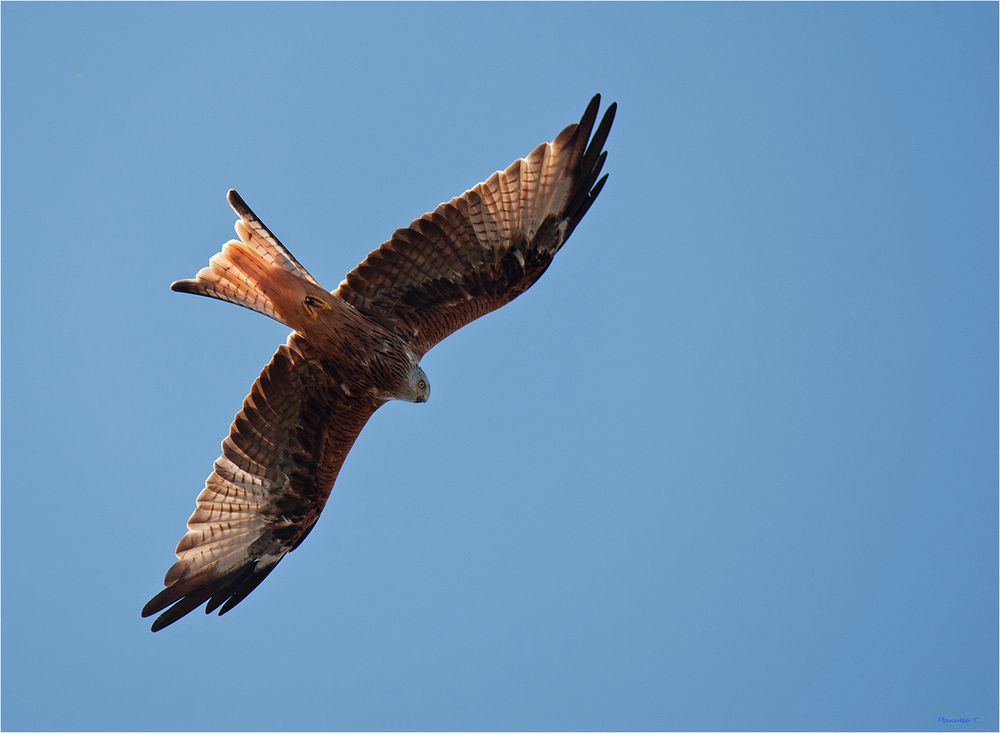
354, 349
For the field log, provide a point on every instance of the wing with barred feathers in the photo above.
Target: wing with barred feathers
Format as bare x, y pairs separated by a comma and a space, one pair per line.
268, 487
481, 250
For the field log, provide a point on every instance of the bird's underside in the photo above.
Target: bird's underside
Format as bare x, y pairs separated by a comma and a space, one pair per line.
357, 347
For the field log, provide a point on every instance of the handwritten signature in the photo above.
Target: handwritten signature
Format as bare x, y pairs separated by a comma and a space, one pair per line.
974, 719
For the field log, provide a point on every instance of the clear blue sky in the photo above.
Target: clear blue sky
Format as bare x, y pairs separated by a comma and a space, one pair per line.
731, 464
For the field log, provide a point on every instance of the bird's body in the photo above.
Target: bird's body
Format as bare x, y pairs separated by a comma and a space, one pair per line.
367, 358
357, 347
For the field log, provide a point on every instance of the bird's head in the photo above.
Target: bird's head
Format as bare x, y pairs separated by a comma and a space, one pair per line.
420, 385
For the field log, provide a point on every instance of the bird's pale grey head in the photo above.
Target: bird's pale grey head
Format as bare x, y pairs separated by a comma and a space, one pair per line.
420, 385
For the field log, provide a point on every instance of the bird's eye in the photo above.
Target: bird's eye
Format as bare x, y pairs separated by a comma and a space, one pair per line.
421, 384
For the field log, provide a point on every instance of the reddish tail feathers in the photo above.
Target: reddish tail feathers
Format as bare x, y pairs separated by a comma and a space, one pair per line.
256, 272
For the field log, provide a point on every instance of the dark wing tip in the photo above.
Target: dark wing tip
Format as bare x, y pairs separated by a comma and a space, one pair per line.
590, 114
597, 187
157, 603
586, 185
245, 588
239, 205
181, 598
184, 286
181, 608
596, 145
222, 591
582, 133
588, 200
605, 127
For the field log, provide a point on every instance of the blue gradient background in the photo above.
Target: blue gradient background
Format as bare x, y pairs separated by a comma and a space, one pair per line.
732, 464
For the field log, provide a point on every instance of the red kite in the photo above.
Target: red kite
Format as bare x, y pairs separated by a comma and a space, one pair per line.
356, 348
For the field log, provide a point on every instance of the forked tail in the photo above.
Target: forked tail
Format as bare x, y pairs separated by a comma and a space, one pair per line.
256, 272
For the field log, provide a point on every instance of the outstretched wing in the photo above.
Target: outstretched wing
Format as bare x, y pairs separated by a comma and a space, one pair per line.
268, 487
482, 249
